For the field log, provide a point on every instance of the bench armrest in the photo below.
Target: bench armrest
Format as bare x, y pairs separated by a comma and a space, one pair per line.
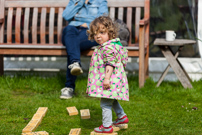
1, 20
144, 21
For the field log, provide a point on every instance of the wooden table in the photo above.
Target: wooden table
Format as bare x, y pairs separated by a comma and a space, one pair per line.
172, 59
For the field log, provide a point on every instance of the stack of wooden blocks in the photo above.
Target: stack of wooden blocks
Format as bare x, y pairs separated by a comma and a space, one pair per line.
85, 114
34, 123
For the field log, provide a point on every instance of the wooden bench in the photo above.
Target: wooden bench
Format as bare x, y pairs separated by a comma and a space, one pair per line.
34, 28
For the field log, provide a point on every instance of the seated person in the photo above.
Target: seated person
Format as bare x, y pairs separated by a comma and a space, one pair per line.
79, 14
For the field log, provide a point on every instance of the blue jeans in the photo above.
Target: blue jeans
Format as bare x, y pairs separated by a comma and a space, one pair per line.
76, 40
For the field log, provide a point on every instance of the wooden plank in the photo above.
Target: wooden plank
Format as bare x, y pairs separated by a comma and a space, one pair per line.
32, 46
31, 126
63, 3
120, 13
59, 50
1, 65
146, 62
137, 26
1, 20
38, 116
42, 111
85, 114
176, 67
112, 13
2, 2
126, 3
176, 42
31, 51
18, 25
36, 133
47, 46
34, 25
94, 133
43, 26
141, 57
199, 27
119, 127
26, 25
72, 111
129, 21
9, 25
115, 129
2, 23
147, 9
75, 131
38, 4
51, 25
59, 25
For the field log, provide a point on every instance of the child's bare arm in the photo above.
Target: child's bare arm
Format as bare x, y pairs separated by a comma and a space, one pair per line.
109, 70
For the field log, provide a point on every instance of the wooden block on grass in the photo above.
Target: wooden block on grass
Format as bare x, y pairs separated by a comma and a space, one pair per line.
122, 126
36, 133
31, 126
75, 131
72, 111
115, 129
28, 129
94, 133
42, 110
85, 114
37, 116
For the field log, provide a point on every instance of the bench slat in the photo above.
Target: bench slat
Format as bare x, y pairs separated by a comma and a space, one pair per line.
126, 3
137, 26
37, 3
43, 26
49, 46
51, 25
120, 13
34, 25
59, 25
1, 24
63, 3
17, 25
112, 13
9, 25
48, 50
129, 22
26, 25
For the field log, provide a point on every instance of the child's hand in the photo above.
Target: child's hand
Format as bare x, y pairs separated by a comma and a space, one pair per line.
106, 84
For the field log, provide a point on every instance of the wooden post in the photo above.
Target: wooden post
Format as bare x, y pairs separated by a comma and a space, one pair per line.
141, 57
199, 31
2, 23
1, 65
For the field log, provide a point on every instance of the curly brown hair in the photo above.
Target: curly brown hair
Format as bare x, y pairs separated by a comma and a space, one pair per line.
104, 24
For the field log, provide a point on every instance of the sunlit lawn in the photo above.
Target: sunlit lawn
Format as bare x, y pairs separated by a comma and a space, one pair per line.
163, 110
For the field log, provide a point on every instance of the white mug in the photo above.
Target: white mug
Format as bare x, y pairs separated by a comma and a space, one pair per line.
170, 35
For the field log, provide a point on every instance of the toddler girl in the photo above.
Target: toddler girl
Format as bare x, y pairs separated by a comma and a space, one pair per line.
107, 79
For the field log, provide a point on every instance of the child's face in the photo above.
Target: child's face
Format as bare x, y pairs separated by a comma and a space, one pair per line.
101, 36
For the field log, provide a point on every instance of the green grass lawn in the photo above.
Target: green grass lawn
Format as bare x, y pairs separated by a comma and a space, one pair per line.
163, 110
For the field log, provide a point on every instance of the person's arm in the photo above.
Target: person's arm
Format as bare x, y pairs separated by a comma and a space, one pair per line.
102, 10
108, 73
72, 8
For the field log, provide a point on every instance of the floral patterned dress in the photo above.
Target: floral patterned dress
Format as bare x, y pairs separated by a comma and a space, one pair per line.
114, 54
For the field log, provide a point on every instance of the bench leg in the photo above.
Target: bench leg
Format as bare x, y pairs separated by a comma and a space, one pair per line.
1, 65
141, 58
147, 63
